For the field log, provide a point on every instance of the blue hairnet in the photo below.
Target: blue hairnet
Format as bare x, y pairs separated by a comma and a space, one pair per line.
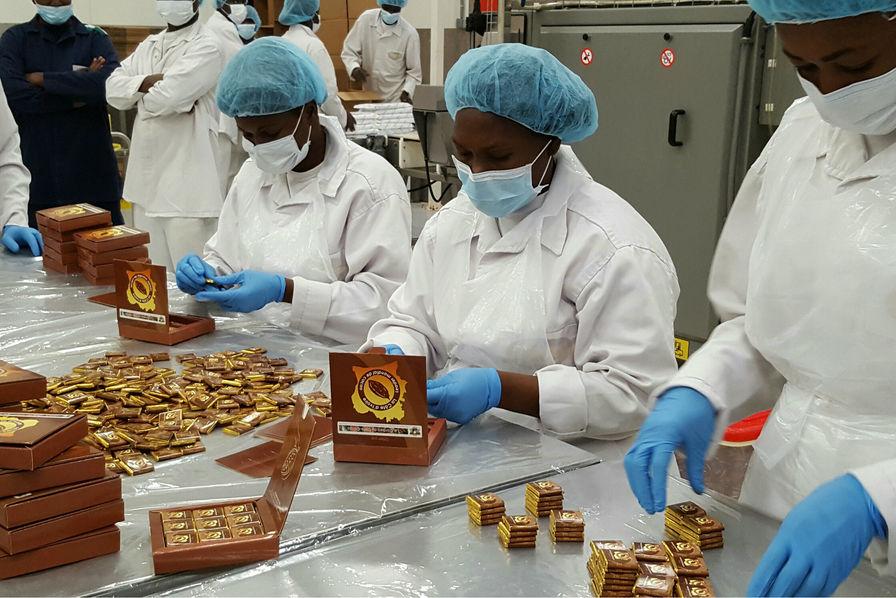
253, 16
269, 76
526, 85
810, 11
298, 11
398, 3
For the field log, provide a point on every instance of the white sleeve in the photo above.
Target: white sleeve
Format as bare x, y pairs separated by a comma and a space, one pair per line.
377, 250
123, 85
351, 47
879, 480
221, 251
14, 177
414, 74
333, 106
624, 348
190, 78
728, 370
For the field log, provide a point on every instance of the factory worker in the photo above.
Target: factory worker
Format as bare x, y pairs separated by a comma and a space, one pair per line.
248, 29
537, 289
804, 282
382, 52
54, 70
312, 220
303, 20
16, 235
173, 176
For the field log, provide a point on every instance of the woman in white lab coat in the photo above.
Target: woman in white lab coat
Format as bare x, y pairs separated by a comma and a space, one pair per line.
536, 290
14, 180
316, 230
174, 170
804, 280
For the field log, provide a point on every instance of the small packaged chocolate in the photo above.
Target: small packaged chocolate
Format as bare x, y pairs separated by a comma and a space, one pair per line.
233, 532
72, 217
77, 464
17, 384
85, 546
28, 440
23, 509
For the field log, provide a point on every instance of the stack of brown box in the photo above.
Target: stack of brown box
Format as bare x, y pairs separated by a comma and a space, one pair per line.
18, 385
99, 248
58, 503
58, 225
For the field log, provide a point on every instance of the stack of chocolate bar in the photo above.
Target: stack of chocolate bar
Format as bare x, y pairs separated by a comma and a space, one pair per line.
613, 568
543, 497
656, 576
58, 226
517, 531
687, 561
58, 504
485, 508
687, 521
567, 526
97, 250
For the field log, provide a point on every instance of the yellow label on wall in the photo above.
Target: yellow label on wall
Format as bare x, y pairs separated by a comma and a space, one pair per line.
682, 349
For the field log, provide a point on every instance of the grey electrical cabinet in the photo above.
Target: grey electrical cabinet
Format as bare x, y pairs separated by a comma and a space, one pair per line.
678, 92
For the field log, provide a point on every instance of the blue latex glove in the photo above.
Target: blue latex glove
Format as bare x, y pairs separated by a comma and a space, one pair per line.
820, 542
393, 350
15, 238
191, 273
682, 417
256, 289
461, 395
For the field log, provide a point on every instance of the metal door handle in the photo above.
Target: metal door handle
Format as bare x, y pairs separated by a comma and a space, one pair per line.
673, 128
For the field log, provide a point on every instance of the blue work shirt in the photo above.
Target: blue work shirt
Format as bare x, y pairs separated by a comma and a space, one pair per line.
66, 141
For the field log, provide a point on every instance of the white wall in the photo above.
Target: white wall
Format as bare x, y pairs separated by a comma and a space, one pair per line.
98, 12
436, 15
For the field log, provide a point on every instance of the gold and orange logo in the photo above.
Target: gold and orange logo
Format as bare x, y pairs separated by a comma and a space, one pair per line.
289, 462
141, 290
380, 391
67, 211
10, 425
105, 233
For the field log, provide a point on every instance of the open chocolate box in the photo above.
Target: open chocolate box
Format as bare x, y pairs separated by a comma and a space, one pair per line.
18, 385
237, 531
28, 440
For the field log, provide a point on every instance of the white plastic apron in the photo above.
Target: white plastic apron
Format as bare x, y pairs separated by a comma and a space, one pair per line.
496, 317
821, 308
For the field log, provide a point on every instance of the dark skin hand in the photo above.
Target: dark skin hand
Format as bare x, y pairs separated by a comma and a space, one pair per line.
37, 79
270, 127
360, 75
350, 122
149, 81
406, 98
837, 53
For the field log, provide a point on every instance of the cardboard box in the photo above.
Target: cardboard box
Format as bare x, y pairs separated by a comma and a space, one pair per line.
62, 248
110, 238
332, 34
51, 264
72, 217
100, 259
234, 532
28, 440
350, 99
23, 509
18, 385
48, 531
333, 9
66, 237
72, 550
103, 271
77, 464
356, 7
69, 259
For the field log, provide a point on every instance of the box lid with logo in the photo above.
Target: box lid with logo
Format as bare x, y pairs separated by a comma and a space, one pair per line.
18, 385
28, 440
72, 217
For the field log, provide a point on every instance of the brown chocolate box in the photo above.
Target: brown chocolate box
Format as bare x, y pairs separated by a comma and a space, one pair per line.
78, 548
36, 506
110, 238
103, 271
77, 464
68, 259
67, 248
72, 217
18, 385
51, 264
28, 440
181, 540
100, 259
48, 531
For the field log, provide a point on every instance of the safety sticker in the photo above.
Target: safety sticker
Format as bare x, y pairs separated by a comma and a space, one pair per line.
667, 58
587, 56
682, 349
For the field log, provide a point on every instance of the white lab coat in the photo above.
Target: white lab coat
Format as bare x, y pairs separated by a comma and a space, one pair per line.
343, 236
310, 44
804, 280
389, 53
14, 177
174, 167
598, 283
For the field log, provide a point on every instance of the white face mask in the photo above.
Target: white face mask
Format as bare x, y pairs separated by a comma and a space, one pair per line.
867, 107
247, 30
281, 155
315, 24
389, 18
238, 13
175, 12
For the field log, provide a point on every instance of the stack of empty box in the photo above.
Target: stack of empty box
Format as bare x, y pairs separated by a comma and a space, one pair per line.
58, 226
100, 247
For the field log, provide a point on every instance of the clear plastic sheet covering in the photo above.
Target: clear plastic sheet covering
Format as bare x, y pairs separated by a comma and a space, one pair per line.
441, 553
47, 325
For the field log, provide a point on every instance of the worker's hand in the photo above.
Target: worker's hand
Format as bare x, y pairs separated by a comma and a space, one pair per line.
149, 81
360, 75
406, 98
393, 350
820, 542
98, 63
682, 417
16, 238
191, 274
36, 79
464, 394
256, 289
350, 122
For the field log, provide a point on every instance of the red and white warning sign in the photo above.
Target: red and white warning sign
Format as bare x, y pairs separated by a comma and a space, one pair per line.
587, 56
667, 58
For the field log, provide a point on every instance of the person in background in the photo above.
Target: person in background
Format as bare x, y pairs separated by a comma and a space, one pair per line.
536, 290
382, 52
806, 264
16, 235
316, 230
249, 28
303, 19
54, 70
174, 175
